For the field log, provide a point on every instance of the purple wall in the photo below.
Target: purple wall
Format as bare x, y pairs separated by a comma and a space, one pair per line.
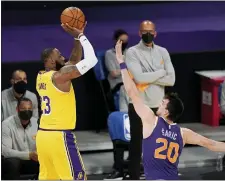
182, 27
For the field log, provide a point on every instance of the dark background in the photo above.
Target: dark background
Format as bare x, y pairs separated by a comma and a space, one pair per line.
91, 109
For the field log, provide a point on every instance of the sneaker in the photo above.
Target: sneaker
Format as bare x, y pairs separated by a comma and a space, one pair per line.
114, 176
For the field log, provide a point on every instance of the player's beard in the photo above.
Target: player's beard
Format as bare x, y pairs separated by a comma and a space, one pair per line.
58, 66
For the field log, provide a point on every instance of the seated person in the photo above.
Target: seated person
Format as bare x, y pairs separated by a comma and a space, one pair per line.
18, 90
18, 142
222, 99
111, 64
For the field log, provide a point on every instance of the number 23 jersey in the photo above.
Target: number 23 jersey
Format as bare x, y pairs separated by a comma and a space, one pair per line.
161, 151
58, 108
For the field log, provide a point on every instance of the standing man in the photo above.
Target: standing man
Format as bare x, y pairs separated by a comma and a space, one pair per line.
152, 70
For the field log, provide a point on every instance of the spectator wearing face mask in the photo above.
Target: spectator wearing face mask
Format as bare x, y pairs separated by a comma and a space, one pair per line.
18, 142
114, 77
18, 90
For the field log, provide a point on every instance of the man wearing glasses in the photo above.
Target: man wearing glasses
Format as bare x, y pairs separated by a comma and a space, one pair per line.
151, 68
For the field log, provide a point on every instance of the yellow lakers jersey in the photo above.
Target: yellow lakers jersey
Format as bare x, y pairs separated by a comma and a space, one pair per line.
58, 108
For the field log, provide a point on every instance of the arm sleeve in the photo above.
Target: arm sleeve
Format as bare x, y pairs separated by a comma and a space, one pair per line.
90, 60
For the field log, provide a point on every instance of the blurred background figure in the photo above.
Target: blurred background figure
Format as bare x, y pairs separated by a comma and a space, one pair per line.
123, 100
222, 99
18, 90
112, 66
114, 75
18, 142
119, 97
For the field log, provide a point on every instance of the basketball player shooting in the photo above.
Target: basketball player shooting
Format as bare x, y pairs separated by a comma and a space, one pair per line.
163, 140
57, 151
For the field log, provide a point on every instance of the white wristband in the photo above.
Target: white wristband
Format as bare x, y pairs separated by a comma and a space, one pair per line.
79, 36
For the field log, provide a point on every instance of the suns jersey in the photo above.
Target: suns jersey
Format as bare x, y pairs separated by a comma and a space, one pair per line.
58, 108
161, 151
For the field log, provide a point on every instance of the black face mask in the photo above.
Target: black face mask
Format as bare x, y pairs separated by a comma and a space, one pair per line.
20, 87
147, 38
25, 115
124, 45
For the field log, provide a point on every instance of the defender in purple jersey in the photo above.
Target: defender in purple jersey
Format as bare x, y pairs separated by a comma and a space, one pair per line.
163, 140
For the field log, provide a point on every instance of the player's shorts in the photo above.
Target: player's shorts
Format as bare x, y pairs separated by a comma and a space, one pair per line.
59, 156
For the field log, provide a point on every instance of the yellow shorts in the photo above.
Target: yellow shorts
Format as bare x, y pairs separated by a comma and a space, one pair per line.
58, 156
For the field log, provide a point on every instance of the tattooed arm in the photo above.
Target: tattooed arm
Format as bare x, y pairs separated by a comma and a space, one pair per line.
191, 137
76, 53
70, 72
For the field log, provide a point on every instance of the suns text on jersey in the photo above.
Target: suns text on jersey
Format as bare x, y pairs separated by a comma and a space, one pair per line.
42, 86
169, 134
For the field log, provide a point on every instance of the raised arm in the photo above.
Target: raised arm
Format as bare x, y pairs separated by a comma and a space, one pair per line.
169, 78
76, 53
141, 77
191, 137
70, 72
145, 113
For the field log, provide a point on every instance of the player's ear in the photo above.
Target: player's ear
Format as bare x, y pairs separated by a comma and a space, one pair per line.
166, 113
155, 34
12, 81
140, 33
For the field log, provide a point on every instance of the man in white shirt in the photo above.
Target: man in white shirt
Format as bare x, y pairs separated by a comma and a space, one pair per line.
18, 142
18, 90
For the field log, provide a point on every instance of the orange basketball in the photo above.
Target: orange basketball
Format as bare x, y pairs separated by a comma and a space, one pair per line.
74, 17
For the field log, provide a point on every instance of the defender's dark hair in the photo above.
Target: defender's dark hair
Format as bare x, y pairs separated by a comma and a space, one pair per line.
175, 106
46, 53
23, 99
118, 33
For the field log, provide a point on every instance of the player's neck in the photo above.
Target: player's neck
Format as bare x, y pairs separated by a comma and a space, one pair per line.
168, 121
149, 44
48, 69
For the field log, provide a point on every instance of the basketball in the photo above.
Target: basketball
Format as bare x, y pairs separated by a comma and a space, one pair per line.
74, 17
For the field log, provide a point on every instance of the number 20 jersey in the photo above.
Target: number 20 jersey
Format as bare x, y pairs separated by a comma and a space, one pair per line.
58, 108
161, 151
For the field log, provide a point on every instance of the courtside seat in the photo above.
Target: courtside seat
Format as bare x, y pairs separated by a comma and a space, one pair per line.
100, 69
119, 131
